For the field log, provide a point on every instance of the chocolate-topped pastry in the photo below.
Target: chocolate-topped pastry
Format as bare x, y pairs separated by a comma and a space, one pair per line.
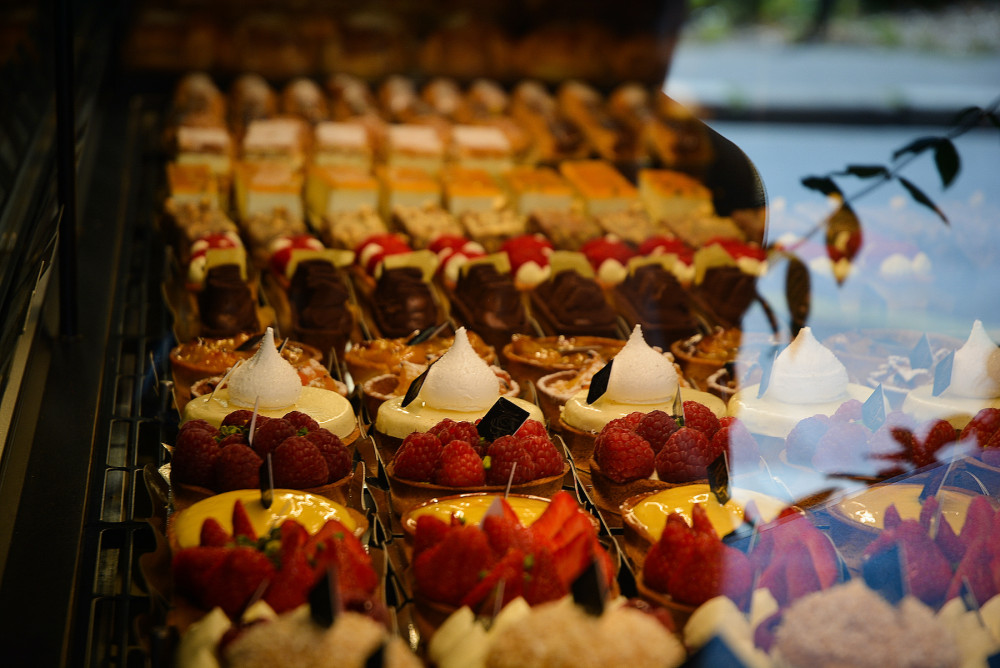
402, 302
726, 293
320, 313
225, 303
487, 302
574, 305
652, 297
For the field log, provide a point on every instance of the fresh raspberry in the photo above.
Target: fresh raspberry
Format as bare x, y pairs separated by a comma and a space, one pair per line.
630, 421
843, 449
736, 439
460, 466
625, 456
240, 418
606, 434
301, 422
503, 454
448, 430
531, 428
543, 454
298, 464
194, 457
237, 467
656, 427
685, 456
336, 454
800, 444
847, 411
935, 435
983, 426
271, 434
700, 417
727, 420
417, 457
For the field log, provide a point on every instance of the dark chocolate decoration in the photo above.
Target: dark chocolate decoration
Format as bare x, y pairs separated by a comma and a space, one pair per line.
767, 358
742, 536
884, 573
718, 477
589, 590
225, 303
426, 334
324, 599
414, 389
716, 652
599, 383
942, 374
873, 410
502, 419
402, 302
266, 482
968, 596
922, 357
378, 658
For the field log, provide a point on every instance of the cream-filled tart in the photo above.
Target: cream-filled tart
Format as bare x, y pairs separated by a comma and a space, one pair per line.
460, 386
268, 381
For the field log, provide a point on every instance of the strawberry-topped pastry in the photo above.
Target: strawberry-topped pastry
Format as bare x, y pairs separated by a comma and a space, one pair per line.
679, 256
485, 566
281, 250
453, 252
689, 565
748, 256
209, 244
373, 250
231, 567
608, 255
452, 457
206, 459
529, 259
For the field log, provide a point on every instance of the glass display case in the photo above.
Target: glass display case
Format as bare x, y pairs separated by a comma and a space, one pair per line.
714, 283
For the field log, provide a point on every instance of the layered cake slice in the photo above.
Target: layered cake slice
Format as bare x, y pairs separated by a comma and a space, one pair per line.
480, 146
671, 195
412, 145
470, 189
265, 187
600, 187
534, 189
406, 186
553, 137
608, 138
205, 146
283, 140
331, 190
192, 183
342, 144
303, 98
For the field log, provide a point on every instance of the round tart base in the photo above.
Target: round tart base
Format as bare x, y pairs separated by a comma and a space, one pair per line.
184, 496
610, 495
579, 442
406, 494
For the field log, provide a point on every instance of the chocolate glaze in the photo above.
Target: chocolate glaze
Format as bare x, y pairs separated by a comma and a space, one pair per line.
725, 294
402, 303
653, 298
225, 303
571, 304
487, 302
319, 299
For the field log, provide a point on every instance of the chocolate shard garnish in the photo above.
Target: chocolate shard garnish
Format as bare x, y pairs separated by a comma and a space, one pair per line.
502, 419
324, 599
378, 658
414, 389
942, 374
718, 477
922, 357
589, 590
873, 410
266, 482
426, 334
767, 358
599, 383
742, 536
884, 573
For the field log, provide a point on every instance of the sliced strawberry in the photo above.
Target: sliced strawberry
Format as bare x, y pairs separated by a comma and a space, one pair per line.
562, 506
294, 537
290, 586
193, 567
891, 519
573, 557
975, 568
447, 571
578, 524
429, 532
237, 580
978, 520
542, 582
700, 522
242, 526
505, 535
509, 570
213, 535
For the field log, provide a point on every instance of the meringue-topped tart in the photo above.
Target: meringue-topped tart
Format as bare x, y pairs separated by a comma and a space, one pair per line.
460, 385
867, 508
641, 379
974, 383
806, 379
270, 382
310, 510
